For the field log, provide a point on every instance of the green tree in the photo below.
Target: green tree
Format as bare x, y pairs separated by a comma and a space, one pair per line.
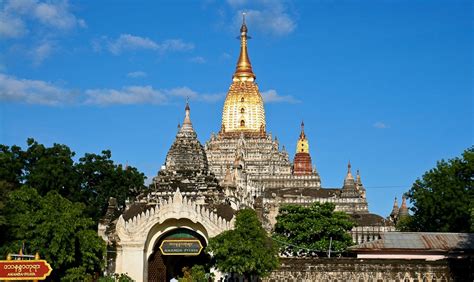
102, 179
246, 250
115, 278
12, 164
51, 169
197, 273
443, 199
56, 228
5, 189
306, 230
91, 181
53, 204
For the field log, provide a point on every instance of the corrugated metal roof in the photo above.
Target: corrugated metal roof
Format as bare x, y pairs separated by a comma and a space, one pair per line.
420, 241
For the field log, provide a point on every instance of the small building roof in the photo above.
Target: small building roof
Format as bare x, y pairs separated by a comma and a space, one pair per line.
370, 219
419, 241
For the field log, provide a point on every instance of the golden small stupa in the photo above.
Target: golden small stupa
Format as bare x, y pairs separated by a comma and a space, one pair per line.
243, 107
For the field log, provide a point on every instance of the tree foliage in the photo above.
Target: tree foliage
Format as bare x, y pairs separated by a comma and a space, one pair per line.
52, 203
12, 163
116, 278
54, 227
102, 179
50, 169
197, 273
246, 250
91, 181
308, 230
443, 199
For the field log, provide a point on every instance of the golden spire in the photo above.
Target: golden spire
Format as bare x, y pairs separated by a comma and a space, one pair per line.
243, 107
302, 145
243, 71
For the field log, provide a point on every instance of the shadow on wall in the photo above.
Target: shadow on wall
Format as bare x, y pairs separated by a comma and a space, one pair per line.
462, 266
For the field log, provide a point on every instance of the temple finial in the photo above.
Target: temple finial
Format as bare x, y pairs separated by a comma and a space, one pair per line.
349, 173
403, 211
187, 125
187, 104
395, 210
243, 71
302, 134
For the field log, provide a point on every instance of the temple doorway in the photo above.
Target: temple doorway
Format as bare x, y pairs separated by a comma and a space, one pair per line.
174, 251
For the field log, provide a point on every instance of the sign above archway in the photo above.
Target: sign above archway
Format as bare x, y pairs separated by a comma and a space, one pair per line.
179, 244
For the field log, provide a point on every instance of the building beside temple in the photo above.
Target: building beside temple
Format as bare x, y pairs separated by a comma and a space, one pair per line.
198, 190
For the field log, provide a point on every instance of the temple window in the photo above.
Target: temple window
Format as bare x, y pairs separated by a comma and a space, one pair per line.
242, 123
242, 110
242, 99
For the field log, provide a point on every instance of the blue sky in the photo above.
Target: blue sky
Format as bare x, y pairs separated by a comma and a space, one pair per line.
387, 85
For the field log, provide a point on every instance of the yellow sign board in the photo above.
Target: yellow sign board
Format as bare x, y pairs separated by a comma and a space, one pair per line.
180, 247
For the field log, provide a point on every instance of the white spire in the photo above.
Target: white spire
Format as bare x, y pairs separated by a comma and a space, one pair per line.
187, 125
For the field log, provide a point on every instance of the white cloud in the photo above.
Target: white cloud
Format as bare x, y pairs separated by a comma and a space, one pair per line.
273, 20
198, 60
38, 22
11, 27
225, 56
185, 92
41, 52
129, 42
380, 125
33, 91
175, 45
15, 14
270, 17
212, 97
271, 96
82, 23
145, 95
125, 96
39, 92
235, 3
56, 15
136, 74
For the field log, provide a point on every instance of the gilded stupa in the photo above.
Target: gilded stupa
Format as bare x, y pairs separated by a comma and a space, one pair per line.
243, 107
302, 161
243, 144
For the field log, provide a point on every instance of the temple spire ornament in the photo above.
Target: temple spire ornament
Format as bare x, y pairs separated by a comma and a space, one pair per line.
349, 173
302, 162
243, 107
243, 71
187, 125
394, 214
349, 190
303, 144
360, 187
403, 211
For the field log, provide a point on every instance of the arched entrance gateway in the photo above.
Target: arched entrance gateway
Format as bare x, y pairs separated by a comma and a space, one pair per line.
174, 251
157, 243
